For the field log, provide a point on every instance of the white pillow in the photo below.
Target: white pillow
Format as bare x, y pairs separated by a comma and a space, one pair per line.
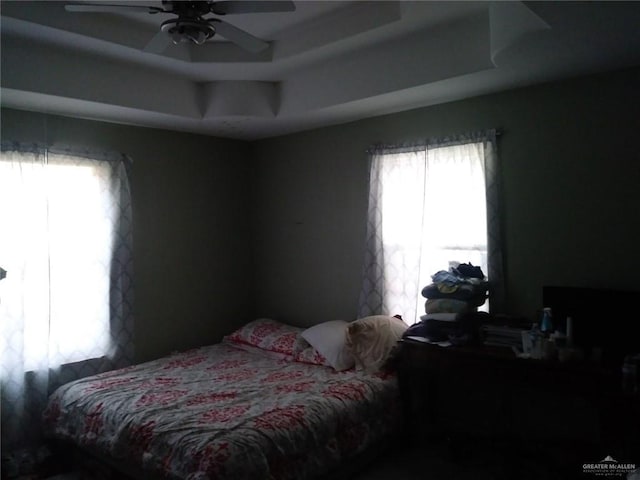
372, 339
329, 339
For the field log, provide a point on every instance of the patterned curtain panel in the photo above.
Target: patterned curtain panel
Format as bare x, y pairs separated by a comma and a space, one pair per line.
66, 301
430, 204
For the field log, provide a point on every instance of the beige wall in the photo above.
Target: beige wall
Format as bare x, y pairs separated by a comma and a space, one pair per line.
570, 171
190, 209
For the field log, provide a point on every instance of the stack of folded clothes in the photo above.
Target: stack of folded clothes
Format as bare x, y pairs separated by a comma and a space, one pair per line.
460, 290
452, 303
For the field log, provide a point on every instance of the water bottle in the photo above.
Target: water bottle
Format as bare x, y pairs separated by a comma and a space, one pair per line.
547, 322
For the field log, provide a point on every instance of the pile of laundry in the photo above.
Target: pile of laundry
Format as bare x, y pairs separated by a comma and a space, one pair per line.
452, 306
462, 289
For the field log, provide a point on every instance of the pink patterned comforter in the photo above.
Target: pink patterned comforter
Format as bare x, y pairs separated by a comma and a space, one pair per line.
224, 413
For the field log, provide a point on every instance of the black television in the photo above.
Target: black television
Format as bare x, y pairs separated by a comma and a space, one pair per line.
602, 319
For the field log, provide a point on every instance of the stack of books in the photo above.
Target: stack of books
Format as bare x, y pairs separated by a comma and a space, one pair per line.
500, 336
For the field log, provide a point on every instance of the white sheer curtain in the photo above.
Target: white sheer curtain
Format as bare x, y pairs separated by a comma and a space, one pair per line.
65, 303
428, 205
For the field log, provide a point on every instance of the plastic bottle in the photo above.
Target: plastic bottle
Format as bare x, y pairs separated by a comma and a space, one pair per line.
547, 321
536, 341
569, 332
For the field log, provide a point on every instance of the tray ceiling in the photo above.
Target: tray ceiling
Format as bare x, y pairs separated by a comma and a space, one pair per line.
328, 62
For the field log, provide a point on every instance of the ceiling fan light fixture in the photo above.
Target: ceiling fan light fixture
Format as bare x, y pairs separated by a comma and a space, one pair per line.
191, 25
188, 30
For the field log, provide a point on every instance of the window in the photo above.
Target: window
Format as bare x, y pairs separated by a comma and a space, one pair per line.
59, 221
428, 206
66, 247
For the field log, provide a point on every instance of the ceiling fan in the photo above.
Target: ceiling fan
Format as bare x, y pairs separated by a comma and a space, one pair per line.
190, 24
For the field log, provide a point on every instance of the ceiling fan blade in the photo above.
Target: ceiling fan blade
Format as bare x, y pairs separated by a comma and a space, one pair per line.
108, 8
242, 6
158, 43
239, 37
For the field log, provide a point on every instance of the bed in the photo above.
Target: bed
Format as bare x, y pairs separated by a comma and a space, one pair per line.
263, 403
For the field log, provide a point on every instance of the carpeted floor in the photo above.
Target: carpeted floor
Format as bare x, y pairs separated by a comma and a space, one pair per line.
468, 459
479, 460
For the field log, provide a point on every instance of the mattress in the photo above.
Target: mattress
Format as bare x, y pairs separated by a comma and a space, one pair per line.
226, 413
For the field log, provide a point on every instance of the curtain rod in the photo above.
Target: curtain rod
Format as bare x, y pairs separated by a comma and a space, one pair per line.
447, 139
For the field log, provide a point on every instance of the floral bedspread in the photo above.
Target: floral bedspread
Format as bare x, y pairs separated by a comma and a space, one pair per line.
219, 412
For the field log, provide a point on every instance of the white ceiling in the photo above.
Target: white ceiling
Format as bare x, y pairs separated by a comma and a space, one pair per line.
328, 62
